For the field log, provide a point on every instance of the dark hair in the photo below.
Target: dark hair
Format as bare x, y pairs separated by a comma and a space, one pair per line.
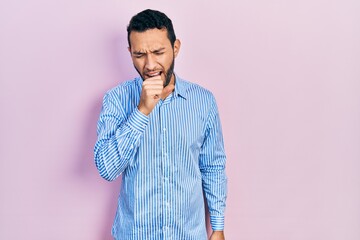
150, 19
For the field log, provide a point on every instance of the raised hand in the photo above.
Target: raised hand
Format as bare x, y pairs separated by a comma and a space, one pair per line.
152, 91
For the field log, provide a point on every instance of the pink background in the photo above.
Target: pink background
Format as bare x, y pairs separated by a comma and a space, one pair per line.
286, 75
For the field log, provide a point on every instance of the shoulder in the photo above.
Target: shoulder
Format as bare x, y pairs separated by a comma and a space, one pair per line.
124, 96
194, 91
124, 87
124, 93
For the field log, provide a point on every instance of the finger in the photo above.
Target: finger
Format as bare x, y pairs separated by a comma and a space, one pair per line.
153, 87
152, 93
152, 79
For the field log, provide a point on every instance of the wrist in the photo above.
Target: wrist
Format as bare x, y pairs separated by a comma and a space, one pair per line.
143, 110
217, 235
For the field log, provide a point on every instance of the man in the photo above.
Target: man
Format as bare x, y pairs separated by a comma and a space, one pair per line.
163, 134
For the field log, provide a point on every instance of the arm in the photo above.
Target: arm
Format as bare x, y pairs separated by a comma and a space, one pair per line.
118, 137
212, 167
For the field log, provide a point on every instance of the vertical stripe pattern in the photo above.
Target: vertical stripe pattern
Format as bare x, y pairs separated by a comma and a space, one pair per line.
168, 161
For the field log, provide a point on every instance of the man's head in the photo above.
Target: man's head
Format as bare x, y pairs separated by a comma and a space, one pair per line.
153, 45
151, 19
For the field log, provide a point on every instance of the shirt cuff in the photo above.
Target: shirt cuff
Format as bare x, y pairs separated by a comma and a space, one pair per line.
217, 223
138, 120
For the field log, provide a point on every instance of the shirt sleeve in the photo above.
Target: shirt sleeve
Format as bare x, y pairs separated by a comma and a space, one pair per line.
118, 137
212, 167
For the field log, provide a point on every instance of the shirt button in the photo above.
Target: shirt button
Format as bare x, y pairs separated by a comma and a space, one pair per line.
164, 129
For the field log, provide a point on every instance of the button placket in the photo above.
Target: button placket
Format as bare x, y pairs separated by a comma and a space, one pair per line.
165, 171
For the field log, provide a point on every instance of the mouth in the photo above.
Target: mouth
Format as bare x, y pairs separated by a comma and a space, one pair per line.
153, 74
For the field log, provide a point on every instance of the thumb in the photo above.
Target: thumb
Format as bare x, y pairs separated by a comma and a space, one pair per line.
169, 88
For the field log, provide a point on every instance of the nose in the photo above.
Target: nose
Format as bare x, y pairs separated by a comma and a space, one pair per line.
150, 62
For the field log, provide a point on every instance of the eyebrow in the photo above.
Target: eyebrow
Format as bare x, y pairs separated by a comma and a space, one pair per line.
155, 51
137, 52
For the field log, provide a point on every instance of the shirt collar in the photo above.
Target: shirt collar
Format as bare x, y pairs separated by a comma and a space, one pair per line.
180, 87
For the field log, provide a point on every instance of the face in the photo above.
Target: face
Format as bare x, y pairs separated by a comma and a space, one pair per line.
153, 55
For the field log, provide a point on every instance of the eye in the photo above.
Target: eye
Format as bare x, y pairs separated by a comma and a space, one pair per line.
159, 53
138, 55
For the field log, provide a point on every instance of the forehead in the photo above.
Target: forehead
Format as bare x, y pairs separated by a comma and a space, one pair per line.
149, 39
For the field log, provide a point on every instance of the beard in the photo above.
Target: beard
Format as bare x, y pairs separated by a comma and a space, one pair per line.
168, 73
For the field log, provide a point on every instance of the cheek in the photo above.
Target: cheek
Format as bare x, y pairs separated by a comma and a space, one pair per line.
166, 61
138, 64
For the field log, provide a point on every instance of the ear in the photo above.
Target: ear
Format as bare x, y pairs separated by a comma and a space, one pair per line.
177, 45
129, 49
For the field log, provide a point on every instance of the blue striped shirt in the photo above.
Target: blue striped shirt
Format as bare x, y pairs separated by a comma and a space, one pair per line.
168, 161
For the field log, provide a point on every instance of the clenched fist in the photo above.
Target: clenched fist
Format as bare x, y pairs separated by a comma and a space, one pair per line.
152, 91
